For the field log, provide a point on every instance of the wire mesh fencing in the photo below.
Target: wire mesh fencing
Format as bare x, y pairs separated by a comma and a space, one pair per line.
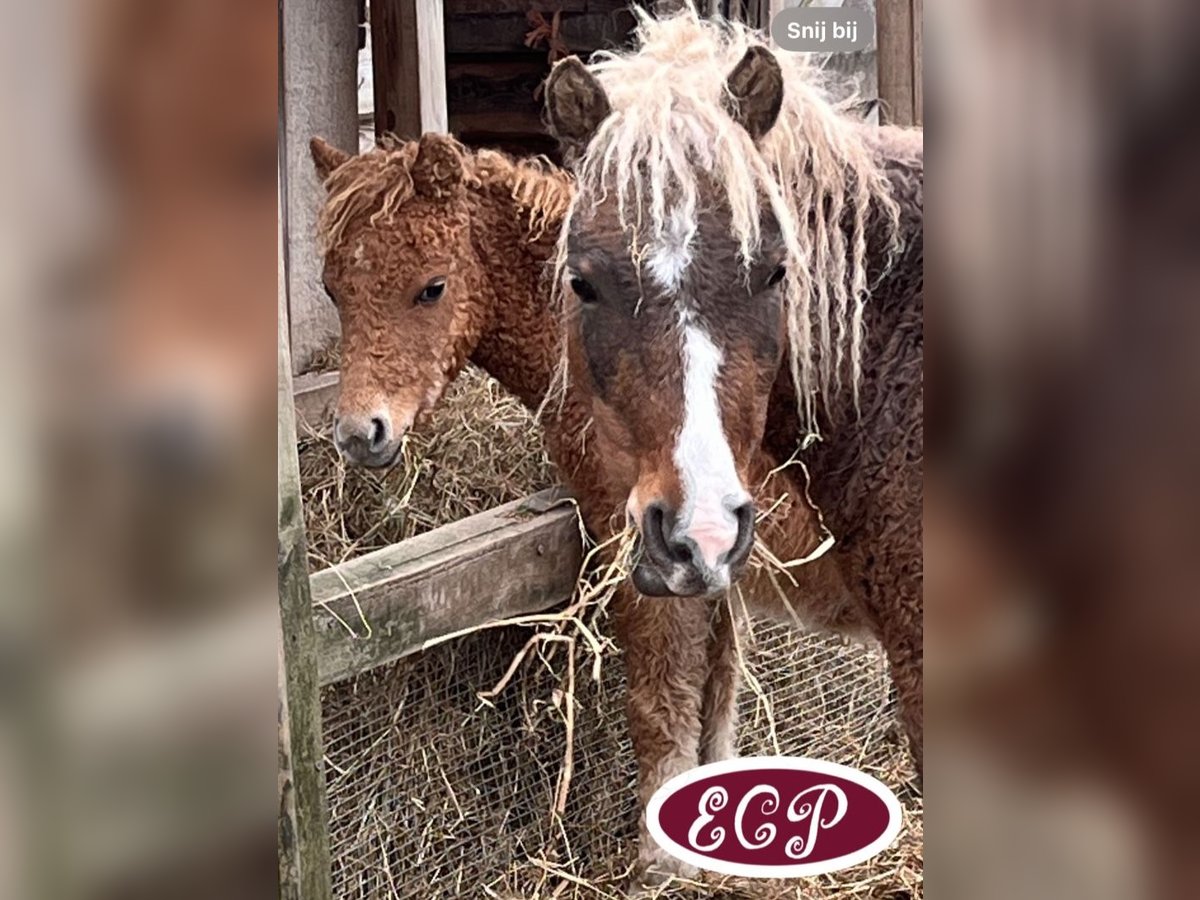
436, 791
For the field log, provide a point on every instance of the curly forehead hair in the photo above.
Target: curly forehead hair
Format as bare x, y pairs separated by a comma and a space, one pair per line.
378, 183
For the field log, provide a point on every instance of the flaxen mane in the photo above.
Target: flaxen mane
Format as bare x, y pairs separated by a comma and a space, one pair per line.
815, 168
378, 184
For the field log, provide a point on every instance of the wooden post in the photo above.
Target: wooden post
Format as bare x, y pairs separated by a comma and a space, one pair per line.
408, 55
304, 869
918, 63
897, 28
320, 97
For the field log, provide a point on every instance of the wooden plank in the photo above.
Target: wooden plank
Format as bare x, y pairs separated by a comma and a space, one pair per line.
304, 866
502, 91
320, 97
502, 67
918, 62
516, 559
492, 101
393, 72
316, 397
506, 33
894, 35
505, 122
408, 56
486, 7
546, 7
512, 143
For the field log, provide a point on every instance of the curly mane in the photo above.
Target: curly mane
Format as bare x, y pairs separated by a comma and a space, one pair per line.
378, 183
817, 168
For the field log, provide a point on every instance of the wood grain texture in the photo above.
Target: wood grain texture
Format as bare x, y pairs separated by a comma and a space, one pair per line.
894, 34
520, 558
304, 872
918, 27
582, 33
320, 97
408, 56
316, 396
494, 7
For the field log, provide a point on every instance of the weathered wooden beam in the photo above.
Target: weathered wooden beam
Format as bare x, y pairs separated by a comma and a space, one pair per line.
582, 33
320, 97
316, 396
408, 56
521, 7
897, 74
546, 7
494, 100
503, 122
918, 27
304, 867
520, 558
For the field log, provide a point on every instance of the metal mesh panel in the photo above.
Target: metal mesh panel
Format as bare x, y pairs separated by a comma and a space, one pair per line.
434, 793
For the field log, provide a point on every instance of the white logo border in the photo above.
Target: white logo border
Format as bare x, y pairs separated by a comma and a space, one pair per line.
759, 763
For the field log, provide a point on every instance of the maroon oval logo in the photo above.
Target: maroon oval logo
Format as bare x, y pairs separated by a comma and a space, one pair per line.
773, 817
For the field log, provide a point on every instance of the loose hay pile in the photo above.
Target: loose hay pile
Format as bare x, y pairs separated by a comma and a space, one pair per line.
480, 448
437, 791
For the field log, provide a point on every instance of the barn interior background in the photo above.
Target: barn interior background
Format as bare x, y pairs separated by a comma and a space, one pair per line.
429, 751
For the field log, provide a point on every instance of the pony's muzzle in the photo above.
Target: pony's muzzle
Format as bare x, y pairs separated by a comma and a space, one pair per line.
366, 440
702, 558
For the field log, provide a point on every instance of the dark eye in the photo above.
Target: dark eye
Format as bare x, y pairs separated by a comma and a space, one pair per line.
433, 291
583, 290
777, 276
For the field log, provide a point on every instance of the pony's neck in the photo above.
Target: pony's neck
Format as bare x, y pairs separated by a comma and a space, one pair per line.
518, 345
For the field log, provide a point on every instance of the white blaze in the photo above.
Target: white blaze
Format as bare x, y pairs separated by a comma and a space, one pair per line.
667, 259
711, 488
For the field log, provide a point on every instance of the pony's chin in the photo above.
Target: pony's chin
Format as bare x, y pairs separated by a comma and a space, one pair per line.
677, 581
649, 582
388, 461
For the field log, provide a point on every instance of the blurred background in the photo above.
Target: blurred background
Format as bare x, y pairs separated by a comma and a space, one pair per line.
138, 289
138, 662
1062, 610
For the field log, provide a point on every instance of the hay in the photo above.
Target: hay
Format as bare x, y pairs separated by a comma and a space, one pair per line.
478, 449
497, 764
435, 792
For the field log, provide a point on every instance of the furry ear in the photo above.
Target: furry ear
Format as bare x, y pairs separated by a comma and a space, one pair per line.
326, 157
438, 167
754, 92
575, 103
